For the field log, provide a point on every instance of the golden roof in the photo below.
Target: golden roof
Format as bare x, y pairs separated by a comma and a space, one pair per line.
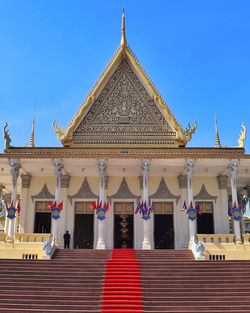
174, 137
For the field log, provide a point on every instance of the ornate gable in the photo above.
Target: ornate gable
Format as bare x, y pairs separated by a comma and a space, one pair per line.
124, 113
124, 110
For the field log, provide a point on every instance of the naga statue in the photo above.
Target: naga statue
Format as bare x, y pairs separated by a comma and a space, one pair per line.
6, 136
189, 131
243, 136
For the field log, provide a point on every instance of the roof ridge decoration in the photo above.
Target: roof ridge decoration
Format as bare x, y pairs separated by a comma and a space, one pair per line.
181, 136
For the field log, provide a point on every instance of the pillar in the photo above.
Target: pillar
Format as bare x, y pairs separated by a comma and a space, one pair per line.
65, 179
145, 167
182, 224
189, 172
223, 201
24, 201
101, 224
58, 166
14, 171
233, 169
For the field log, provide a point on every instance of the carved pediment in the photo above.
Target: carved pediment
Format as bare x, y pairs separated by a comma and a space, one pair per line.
84, 192
124, 113
164, 193
204, 195
44, 194
124, 192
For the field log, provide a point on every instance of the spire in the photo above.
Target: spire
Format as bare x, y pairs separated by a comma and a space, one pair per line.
217, 138
32, 137
123, 39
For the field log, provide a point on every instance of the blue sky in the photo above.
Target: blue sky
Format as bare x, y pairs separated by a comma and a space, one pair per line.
196, 52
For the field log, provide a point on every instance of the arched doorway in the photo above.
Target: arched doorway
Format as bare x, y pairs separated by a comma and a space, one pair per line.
163, 225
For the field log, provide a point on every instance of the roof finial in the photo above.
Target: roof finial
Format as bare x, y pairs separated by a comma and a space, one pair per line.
217, 138
32, 137
123, 39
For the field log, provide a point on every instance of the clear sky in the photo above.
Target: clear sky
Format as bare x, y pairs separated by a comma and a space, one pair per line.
196, 52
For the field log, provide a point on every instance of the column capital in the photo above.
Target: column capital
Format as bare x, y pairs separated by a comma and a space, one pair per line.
65, 179
141, 182
247, 188
233, 168
101, 167
14, 170
145, 166
222, 182
106, 182
26, 178
189, 167
182, 179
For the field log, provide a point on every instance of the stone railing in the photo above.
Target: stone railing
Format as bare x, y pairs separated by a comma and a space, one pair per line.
30, 237
246, 239
3, 237
216, 238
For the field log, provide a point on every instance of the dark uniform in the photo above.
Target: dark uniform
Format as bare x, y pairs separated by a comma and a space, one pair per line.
66, 238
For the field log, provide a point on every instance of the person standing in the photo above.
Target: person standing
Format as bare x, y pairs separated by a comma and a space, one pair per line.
66, 238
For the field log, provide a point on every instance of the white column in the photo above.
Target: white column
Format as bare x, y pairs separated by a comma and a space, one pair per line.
24, 201
233, 169
58, 166
223, 222
145, 167
14, 171
101, 224
182, 221
189, 172
65, 180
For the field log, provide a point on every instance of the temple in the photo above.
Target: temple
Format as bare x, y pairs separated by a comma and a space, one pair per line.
124, 177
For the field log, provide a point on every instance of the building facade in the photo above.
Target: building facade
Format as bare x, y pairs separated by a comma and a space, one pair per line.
124, 175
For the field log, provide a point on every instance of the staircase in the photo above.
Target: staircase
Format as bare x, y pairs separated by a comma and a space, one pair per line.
153, 281
173, 282
71, 282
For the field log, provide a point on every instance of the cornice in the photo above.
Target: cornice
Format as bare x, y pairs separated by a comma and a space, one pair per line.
150, 153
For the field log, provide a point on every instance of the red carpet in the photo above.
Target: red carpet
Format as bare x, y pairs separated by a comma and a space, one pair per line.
122, 286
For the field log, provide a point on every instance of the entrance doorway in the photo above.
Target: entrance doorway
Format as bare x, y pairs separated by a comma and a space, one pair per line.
205, 221
163, 225
84, 226
42, 217
124, 224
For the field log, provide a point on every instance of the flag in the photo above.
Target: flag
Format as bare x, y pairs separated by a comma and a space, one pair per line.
198, 208
52, 205
60, 206
93, 205
138, 208
234, 205
107, 206
18, 207
184, 207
